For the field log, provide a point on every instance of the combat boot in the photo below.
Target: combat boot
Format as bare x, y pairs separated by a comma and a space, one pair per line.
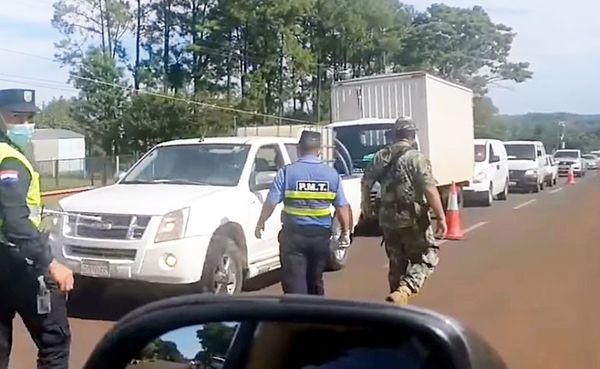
400, 296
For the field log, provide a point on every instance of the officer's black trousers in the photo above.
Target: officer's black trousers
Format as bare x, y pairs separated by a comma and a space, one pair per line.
50, 332
304, 253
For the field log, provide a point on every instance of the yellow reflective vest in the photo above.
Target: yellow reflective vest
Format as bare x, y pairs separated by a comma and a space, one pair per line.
34, 198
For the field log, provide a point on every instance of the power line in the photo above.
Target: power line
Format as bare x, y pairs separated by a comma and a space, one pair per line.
63, 87
194, 102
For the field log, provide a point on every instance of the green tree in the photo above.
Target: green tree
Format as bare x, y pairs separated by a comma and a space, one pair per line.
58, 113
149, 120
101, 24
462, 45
161, 350
102, 100
215, 339
484, 112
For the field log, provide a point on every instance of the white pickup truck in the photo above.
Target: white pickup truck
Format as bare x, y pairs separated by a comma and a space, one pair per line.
185, 214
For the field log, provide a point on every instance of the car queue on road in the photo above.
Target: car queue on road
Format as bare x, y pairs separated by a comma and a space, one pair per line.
511, 166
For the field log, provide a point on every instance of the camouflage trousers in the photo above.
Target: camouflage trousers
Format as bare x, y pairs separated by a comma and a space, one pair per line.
412, 255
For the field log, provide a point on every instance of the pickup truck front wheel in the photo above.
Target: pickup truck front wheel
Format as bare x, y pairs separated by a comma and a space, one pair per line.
222, 273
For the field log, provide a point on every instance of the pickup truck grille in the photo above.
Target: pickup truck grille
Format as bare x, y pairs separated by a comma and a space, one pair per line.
100, 253
108, 226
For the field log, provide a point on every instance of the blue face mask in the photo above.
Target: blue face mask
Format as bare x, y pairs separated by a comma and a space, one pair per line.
20, 134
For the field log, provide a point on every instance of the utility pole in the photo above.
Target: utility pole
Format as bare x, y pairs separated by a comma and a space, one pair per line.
561, 133
318, 103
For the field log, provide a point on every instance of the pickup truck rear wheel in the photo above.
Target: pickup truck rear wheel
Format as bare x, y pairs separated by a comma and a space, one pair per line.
222, 273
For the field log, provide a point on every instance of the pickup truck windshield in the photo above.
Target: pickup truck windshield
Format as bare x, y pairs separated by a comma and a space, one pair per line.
479, 153
567, 154
197, 164
362, 140
520, 152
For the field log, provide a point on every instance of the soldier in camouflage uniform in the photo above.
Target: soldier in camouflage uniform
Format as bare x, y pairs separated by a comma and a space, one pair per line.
408, 190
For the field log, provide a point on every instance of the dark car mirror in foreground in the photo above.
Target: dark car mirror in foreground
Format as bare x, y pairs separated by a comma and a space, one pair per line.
289, 332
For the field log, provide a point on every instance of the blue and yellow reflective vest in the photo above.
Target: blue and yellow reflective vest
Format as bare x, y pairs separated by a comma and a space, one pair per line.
310, 188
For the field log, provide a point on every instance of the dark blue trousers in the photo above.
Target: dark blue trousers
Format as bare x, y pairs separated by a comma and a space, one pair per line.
304, 254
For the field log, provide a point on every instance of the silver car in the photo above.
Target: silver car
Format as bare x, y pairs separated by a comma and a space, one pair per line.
592, 161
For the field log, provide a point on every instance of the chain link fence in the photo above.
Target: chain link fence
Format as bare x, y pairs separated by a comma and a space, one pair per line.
84, 172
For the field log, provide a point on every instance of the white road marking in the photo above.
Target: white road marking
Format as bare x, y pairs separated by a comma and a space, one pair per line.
524, 204
475, 226
557, 190
467, 230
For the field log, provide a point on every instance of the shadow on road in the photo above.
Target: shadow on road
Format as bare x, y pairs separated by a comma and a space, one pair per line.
110, 301
262, 281
98, 300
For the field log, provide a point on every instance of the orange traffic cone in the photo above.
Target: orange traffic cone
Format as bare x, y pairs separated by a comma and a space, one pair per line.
455, 231
571, 177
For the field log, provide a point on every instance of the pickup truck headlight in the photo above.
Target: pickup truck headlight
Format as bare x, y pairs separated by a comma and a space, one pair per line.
531, 172
172, 226
52, 223
479, 177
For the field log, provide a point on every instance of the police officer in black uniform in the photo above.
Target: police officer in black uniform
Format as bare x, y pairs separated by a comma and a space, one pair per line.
32, 283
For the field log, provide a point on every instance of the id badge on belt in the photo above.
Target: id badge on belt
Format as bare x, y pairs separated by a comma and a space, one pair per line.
44, 300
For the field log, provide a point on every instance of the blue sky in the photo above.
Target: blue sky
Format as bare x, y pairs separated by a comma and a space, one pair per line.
560, 41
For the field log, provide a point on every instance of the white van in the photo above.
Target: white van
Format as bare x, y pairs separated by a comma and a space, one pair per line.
526, 162
490, 175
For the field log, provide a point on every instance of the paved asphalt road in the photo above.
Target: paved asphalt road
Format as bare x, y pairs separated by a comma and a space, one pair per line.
525, 277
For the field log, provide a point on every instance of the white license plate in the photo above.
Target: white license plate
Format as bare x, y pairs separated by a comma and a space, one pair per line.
92, 268
512, 183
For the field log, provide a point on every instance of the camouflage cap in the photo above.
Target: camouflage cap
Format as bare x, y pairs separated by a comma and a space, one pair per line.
405, 124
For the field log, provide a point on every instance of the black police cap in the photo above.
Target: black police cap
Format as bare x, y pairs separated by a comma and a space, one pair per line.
17, 101
310, 139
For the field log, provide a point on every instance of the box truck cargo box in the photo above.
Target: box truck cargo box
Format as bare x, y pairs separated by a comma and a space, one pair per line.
363, 109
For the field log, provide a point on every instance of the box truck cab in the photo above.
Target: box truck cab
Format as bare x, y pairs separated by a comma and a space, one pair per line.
526, 163
490, 174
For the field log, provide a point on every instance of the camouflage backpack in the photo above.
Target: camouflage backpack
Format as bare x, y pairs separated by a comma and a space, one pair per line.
400, 205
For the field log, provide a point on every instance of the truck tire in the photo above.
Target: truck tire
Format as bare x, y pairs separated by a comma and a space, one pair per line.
502, 196
223, 273
489, 198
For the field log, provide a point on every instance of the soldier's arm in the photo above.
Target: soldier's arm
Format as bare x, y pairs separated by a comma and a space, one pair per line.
424, 179
17, 228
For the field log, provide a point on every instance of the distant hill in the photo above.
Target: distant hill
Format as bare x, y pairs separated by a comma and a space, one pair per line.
582, 131
589, 123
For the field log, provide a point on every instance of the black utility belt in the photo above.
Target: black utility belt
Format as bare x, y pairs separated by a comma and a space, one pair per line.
306, 229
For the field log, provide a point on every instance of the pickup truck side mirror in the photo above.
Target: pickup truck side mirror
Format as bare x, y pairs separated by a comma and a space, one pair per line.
289, 331
120, 175
262, 180
539, 153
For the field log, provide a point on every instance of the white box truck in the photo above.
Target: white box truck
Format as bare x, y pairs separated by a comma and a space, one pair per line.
364, 109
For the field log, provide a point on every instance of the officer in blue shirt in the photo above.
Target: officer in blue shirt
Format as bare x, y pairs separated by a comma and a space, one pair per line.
307, 188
